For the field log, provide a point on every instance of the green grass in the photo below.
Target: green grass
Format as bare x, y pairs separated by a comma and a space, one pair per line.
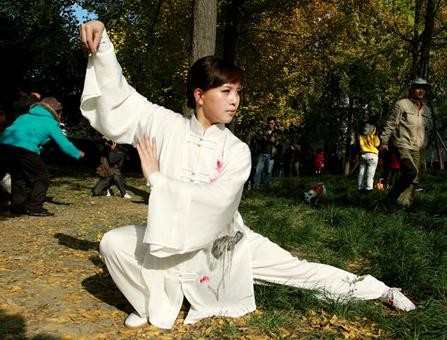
406, 249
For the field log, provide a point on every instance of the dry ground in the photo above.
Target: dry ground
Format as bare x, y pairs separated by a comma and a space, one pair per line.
53, 284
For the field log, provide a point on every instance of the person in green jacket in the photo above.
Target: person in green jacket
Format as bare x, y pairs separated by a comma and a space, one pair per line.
20, 146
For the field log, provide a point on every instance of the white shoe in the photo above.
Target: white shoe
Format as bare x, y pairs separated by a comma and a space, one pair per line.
398, 300
108, 193
133, 320
126, 195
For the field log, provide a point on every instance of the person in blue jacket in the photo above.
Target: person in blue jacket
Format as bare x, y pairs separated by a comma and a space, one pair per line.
20, 146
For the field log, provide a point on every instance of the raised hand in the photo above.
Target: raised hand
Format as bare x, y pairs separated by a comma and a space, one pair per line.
147, 150
91, 33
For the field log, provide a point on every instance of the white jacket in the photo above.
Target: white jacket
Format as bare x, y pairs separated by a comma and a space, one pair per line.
193, 202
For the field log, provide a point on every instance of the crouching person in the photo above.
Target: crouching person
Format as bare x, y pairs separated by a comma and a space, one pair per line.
109, 171
195, 244
20, 146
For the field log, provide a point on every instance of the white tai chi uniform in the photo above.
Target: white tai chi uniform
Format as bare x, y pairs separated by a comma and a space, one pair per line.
195, 244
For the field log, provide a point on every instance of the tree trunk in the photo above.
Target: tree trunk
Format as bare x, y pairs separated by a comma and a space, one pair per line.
416, 41
204, 30
233, 16
348, 155
427, 37
421, 52
439, 153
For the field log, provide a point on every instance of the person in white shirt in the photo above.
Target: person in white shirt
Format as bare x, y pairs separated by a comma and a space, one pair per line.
195, 244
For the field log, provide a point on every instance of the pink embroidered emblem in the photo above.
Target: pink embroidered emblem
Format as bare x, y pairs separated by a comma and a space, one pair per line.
219, 169
204, 279
219, 166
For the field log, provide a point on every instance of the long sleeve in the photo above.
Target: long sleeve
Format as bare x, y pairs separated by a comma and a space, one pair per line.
63, 142
113, 107
104, 162
391, 124
184, 216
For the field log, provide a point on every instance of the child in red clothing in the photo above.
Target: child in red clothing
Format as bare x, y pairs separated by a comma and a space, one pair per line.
391, 168
319, 160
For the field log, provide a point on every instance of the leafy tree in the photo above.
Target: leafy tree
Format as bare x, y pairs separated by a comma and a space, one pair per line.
40, 50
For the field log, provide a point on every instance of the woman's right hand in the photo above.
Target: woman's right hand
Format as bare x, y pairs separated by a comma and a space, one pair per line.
91, 33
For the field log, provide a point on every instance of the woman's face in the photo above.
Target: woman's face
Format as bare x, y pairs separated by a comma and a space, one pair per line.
218, 105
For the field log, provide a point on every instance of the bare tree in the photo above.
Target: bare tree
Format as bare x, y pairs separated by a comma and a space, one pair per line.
421, 47
422, 41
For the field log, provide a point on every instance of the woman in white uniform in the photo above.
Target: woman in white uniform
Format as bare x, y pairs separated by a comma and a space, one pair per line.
195, 244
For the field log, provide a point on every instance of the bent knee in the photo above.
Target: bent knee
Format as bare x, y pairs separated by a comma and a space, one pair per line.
122, 240
108, 243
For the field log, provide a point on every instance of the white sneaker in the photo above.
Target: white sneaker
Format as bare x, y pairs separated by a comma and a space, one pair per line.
108, 193
126, 195
133, 320
398, 300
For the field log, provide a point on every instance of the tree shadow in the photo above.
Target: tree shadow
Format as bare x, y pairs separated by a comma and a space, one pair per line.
4, 215
12, 326
50, 199
72, 185
75, 243
142, 193
102, 287
99, 285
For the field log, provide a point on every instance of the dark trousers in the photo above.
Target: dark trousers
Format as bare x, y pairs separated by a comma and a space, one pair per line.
29, 177
410, 170
105, 183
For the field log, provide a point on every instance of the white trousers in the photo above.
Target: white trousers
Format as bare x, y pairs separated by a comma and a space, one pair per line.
368, 165
124, 251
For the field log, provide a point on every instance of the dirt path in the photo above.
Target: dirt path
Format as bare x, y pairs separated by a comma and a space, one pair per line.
52, 281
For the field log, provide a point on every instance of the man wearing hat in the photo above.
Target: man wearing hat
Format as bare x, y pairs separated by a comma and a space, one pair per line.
20, 146
407, 129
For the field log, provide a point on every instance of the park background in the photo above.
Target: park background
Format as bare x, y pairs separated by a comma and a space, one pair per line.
321, 68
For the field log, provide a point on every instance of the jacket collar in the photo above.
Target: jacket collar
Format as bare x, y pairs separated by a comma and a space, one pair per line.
39, 109
413, 103
215, 131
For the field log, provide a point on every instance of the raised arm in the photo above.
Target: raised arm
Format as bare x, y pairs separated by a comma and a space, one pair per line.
66, 146
112, 106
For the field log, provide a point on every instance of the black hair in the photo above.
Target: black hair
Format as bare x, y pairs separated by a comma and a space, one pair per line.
208, 73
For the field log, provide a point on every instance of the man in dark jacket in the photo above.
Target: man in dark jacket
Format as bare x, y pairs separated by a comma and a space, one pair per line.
267, 146
109, 170
20, 146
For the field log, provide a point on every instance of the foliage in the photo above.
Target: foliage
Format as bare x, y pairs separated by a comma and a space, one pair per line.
322, 67
153, 40
330, 59
40, 49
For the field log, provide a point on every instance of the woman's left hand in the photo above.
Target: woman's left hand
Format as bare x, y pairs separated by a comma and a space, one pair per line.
147, 150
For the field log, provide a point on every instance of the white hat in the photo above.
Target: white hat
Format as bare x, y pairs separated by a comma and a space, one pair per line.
419, 82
